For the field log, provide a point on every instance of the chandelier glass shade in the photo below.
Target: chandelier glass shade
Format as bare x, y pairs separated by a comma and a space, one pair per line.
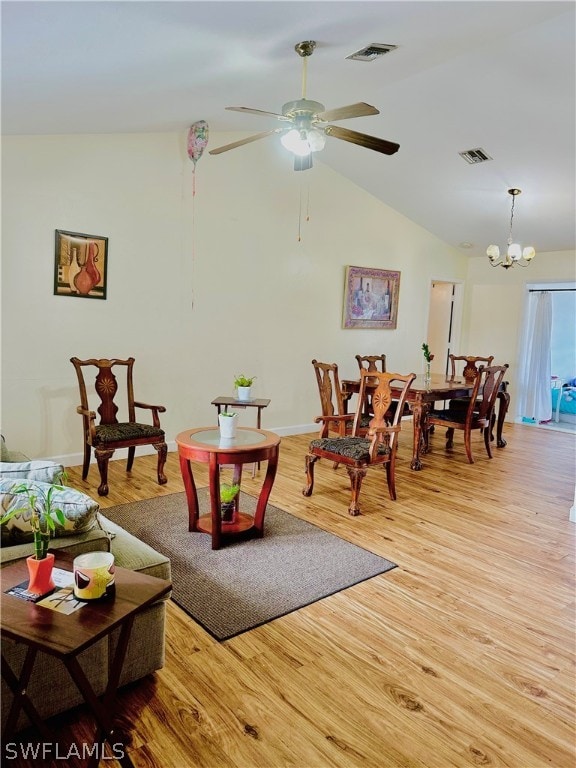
515, 254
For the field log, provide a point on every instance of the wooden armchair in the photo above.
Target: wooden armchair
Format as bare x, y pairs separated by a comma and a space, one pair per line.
377, 448
111, 434
478, 413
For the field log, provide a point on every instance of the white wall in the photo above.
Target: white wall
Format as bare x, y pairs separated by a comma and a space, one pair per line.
495, 302
198, 289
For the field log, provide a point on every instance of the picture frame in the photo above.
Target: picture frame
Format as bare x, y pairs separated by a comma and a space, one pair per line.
80, 265
371, 298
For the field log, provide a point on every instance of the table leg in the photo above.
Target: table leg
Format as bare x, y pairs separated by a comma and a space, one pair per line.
237, 480
214, 489
103, 710
419, 420
19, 687
259, 426
191, 495
265, 492
503, 404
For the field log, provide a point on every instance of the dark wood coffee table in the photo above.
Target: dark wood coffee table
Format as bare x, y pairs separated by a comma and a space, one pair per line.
204, 444
66, 636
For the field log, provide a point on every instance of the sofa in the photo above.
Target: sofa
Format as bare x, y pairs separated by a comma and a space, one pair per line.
87, 529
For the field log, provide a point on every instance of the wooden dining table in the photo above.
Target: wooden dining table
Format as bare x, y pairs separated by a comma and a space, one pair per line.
421, 396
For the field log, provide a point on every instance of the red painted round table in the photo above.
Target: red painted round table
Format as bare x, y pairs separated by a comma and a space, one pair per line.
204, 444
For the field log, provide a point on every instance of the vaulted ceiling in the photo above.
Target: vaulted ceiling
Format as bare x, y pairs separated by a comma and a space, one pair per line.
499, 76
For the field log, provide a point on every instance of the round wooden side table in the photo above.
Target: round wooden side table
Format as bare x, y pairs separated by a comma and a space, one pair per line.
205, 445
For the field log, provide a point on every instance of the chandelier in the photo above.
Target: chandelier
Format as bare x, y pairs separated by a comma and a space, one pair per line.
515, 254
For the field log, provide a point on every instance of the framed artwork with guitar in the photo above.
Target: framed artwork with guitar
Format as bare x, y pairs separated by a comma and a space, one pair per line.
81, 265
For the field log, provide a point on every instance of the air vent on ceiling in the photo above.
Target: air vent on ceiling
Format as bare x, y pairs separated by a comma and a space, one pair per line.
371, 52
474, 156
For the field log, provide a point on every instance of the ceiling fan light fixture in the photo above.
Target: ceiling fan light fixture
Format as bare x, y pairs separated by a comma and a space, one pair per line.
304, 141
316, 140
296, 141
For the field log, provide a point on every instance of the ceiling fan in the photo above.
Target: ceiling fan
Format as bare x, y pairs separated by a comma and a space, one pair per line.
306, 123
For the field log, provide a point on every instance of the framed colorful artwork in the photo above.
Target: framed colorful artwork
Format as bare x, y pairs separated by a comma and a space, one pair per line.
80, 265
370, 298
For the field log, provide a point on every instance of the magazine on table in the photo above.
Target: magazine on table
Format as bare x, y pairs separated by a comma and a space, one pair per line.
60, 599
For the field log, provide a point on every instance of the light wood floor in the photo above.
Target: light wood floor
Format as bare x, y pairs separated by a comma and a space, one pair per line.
461, 656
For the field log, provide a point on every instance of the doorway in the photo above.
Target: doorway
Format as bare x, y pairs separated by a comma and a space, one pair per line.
444, 320
561, 351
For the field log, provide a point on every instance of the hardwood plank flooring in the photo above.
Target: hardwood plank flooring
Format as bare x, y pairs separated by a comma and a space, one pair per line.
462, 656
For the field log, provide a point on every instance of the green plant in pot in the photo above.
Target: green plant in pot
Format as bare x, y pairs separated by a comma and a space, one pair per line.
243, 385
228, 494
38, 499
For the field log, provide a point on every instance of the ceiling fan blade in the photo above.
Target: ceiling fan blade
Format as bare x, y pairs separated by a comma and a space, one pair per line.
262, 112
235, 144
352, 110
362, 139
302, 163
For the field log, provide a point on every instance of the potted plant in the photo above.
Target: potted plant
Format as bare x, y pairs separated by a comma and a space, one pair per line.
228, 494
428, 357
228, 422
243, 385
38, 499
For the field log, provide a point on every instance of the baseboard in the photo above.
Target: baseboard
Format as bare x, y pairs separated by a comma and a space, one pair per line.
75, 459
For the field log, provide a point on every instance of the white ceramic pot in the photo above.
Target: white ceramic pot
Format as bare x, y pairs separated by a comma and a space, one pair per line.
228, 425
243, 393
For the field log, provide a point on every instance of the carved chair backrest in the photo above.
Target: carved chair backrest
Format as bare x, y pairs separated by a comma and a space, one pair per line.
371, 362
380, 384
329, 388
488, 385
106, 386
470, 369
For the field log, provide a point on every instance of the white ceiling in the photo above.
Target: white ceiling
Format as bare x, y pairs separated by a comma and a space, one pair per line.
496, 75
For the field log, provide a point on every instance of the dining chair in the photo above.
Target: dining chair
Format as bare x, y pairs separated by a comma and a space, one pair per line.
111, 434
468, 370
470, 367
332, 402
371, 362
478, 414
376, 447
375, 363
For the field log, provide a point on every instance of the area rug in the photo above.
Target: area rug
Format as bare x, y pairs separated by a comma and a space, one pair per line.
246, 583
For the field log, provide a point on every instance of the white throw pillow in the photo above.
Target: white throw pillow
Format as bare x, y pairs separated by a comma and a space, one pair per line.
80, 511
41, 470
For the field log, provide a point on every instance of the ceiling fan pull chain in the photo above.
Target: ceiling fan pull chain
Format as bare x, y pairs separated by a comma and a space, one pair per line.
300, 214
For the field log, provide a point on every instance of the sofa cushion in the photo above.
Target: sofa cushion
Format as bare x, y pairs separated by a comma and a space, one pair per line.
40, 470
79, 510
130, 552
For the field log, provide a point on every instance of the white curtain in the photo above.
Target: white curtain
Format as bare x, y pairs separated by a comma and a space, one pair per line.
537, 395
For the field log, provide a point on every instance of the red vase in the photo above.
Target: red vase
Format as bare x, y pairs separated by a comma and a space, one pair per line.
40, 572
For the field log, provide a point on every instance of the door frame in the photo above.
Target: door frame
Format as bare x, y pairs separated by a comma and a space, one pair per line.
457, 300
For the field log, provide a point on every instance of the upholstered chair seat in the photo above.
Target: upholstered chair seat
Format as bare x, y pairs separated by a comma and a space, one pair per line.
354, 448
111, 433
